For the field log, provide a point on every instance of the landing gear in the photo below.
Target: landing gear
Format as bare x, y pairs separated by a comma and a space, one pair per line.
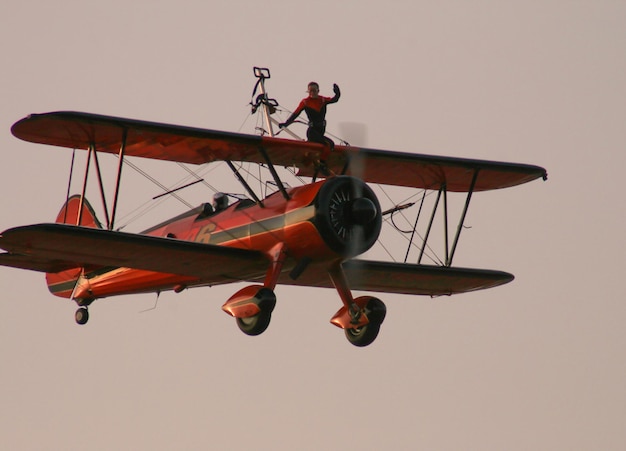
81, 316
253, 305
375, 311
360, 318
252, 308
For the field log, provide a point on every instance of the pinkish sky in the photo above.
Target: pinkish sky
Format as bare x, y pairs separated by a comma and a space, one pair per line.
537, 364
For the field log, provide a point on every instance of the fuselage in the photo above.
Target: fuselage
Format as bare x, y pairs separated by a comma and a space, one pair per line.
302, 224
248, 225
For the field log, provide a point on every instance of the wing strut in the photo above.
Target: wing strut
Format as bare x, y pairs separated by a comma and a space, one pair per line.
277, 179
430, 224
119, 176
445, 221
244, 183
462, 220
69, 184
102, 196
449, 251
417, 217
82, 195
110, 220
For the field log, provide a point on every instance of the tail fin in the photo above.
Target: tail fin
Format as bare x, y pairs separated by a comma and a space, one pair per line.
63, 283
69, 213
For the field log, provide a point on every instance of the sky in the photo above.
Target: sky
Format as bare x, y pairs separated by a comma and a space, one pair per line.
537, 364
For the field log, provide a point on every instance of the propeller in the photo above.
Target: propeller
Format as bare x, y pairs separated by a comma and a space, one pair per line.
348, 215
355, 134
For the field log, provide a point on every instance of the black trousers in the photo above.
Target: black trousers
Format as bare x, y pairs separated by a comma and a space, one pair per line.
316, 134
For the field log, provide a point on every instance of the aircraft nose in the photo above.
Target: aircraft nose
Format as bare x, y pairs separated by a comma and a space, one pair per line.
362, 211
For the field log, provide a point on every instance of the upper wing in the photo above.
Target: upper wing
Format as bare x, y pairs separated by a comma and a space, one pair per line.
58, 247
195, 145
404, 278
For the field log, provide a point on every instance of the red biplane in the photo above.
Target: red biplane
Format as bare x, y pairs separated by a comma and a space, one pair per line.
307, 235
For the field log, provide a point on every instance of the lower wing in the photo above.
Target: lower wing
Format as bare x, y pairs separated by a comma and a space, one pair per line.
403, 278
58, 247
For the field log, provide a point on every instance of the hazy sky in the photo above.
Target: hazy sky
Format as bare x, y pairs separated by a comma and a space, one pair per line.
537, 364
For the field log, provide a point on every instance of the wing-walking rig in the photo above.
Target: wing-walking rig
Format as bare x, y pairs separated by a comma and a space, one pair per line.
308, 235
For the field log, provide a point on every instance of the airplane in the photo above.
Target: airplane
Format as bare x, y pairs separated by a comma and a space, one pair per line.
308, 235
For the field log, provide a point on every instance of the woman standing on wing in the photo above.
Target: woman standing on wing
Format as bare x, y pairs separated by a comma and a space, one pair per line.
315, 107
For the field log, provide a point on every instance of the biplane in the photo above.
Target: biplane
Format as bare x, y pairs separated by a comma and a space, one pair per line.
308, 235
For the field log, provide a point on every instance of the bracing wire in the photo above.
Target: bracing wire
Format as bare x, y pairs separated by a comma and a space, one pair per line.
151, 204
429, 251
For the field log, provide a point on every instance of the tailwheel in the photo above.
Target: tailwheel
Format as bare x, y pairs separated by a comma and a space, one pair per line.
375, 311
82, 315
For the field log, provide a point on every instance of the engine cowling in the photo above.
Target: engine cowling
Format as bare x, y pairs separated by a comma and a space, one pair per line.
348, 215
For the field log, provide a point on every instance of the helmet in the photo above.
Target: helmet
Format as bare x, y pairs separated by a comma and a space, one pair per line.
220, 201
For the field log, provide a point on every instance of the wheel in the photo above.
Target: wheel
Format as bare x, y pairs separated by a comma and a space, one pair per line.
81, 316
255, 325
364, 336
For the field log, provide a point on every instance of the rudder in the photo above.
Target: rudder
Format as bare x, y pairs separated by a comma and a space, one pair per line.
62, 284
69, 213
